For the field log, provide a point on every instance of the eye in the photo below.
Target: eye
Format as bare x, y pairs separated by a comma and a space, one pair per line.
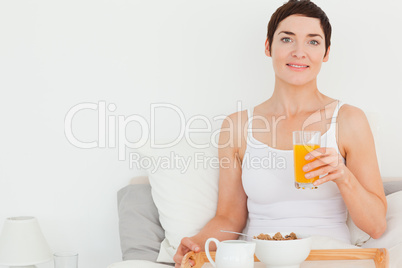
314, 42
286, 40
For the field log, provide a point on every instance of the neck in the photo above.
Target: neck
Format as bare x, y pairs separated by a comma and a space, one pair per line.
294, 99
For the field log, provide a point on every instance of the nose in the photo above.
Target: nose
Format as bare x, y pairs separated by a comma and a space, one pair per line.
298, 51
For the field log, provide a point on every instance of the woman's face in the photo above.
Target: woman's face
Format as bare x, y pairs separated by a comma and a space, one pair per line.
298, 49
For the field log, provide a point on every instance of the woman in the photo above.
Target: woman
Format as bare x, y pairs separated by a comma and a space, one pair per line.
298, 41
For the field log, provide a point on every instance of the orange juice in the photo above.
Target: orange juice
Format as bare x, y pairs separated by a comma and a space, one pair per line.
299, 152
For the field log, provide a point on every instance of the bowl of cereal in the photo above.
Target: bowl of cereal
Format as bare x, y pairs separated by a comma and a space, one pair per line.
284, 250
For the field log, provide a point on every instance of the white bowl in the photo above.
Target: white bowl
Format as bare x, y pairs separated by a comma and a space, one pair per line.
284, 253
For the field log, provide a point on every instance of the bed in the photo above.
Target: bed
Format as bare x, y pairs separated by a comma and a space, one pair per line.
157, 210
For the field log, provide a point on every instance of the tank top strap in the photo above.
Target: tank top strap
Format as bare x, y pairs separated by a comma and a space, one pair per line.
332, 135
335, 114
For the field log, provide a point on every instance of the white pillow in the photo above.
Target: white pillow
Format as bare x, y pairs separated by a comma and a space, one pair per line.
395, 256
358, 236
392, 238
186, 197
393, 235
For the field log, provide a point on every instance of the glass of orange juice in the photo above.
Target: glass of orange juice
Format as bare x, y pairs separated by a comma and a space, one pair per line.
303, 143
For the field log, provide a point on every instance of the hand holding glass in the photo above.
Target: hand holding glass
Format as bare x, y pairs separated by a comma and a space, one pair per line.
303, 143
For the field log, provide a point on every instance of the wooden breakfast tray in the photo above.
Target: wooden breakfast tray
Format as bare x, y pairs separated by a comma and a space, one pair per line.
379, 255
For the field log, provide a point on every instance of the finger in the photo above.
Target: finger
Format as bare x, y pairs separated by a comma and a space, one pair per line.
181, 251
329, 177
186, 241
177, 258
320, 152
334, 161
324, 161
321, 171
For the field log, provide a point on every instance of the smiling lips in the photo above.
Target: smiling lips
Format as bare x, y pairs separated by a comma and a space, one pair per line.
297, 67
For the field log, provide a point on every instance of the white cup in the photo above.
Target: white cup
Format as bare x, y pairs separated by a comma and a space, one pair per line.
232, 253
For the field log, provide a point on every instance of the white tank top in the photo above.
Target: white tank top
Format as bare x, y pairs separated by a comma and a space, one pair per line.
275, 205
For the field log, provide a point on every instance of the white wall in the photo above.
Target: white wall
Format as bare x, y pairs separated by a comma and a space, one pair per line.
201, 56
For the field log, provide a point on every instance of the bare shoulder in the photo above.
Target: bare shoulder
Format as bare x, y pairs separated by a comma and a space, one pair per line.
351, 118
233, 127
353, 126
238, 116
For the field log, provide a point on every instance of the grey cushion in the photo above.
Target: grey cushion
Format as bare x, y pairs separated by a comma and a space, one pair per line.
140, 231
392, 187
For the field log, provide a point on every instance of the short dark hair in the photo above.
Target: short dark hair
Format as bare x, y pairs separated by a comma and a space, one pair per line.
299, 7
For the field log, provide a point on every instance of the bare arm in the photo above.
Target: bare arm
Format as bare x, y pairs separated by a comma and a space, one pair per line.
362, 188
359, 181
232, 211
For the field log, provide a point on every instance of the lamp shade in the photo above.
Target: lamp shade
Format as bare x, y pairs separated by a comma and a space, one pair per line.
22, 243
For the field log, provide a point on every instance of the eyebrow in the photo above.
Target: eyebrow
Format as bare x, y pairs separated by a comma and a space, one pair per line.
291, 33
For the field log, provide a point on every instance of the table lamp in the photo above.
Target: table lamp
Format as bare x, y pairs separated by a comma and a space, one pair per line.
22, 243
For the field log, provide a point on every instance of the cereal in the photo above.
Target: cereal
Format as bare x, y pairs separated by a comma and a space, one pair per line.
291, 236
278, 236
263, 237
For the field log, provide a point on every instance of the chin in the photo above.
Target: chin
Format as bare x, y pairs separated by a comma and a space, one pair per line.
297, 81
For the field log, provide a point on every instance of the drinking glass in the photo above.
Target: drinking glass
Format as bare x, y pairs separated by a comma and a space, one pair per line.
303, 143
65, 259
